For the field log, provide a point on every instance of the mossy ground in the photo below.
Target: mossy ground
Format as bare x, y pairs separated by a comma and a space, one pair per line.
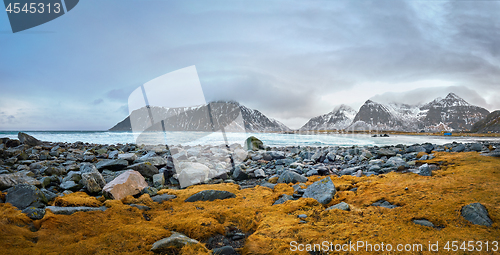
464, 178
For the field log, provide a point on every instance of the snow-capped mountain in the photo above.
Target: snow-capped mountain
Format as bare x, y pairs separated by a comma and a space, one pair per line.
210, 117
454, 112
340, 118
450, 113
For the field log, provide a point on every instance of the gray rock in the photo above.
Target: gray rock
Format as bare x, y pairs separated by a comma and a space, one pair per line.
225, 250
477, 214
158, 162
112, 164
70, 185
386, 152
275, 154
27, 139
383, 203
341, 206
301, 216
91, 178
158, 180
146, 169
176, 240
71, 210
424, 222
268, 185
141, 207
239, 174
210, 195
424, 170
291, 177
127, 156
312, 172
259, 173
75, 176
283, 199
458, 148
48, 195
476, 147
151, 191
162, 198
113, 154
25, 195
396, 162
11, 180
34, 213
322, 190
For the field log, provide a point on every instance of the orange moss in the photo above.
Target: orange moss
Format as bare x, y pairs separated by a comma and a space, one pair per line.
464, 178
77, 199
421, 154
273, 180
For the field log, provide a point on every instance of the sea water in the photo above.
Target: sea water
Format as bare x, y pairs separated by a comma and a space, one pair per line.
217, 138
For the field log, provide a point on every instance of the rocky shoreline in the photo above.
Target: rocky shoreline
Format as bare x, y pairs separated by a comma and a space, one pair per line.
37, 176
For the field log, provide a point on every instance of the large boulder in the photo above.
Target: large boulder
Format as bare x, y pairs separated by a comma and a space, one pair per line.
322, 190
210, 195
291, 177
27, 139
91, 178
24, 195
112, 164
145, 168
11, 180
128, 183
191, 173
253, 143
477, 214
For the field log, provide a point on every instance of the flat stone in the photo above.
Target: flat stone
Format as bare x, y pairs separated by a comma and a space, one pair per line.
224, 250
176, 240
71, 210
477, 214
322, 190
341, 206
424, 222
112, 164
128, 183
162, 198
291, 177
383, 203
210, 195
283, 199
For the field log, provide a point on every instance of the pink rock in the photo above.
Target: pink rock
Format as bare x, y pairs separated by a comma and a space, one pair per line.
129, 183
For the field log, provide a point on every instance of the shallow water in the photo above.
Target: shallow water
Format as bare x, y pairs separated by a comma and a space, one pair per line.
270, 139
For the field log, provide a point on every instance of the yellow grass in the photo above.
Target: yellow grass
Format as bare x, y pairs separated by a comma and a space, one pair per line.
464, 178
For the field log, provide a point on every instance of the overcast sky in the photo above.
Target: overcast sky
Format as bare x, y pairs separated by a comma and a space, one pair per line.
292, 60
